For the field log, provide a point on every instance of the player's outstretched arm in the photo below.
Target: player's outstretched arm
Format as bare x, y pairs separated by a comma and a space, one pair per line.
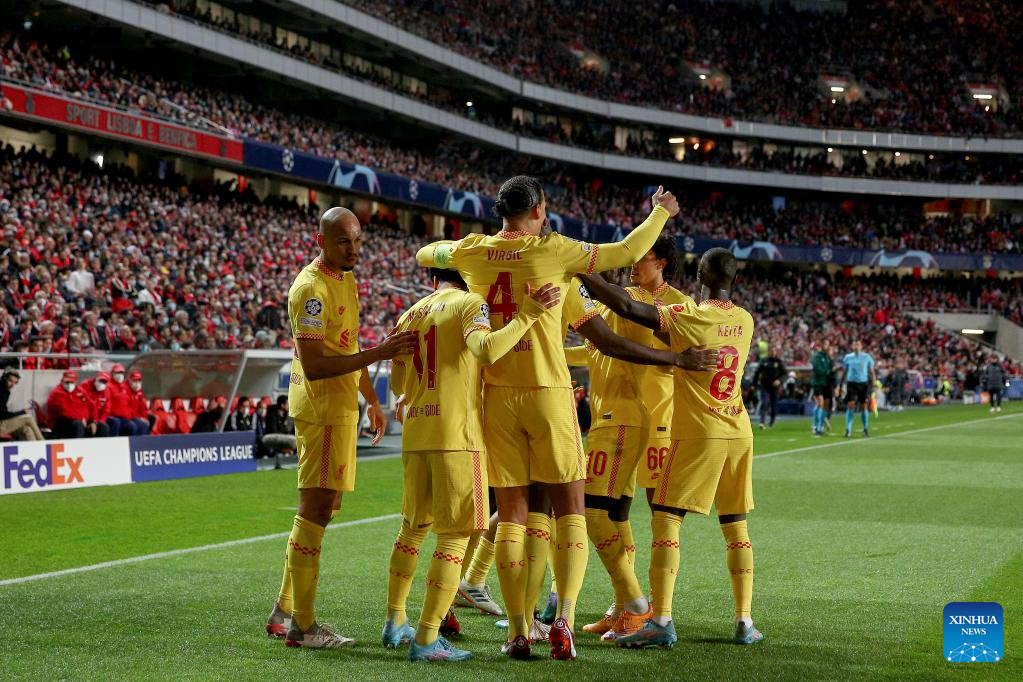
620, 303
318, 366
490, 346
596, 331
640, 240
436, 254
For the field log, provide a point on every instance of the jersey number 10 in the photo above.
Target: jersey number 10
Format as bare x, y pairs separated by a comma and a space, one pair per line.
430, 337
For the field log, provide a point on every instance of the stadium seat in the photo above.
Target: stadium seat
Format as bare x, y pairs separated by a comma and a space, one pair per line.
166, 423
198, 405
157, 407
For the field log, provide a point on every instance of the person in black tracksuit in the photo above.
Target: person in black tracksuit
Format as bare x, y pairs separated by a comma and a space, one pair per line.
768, 378
993, 381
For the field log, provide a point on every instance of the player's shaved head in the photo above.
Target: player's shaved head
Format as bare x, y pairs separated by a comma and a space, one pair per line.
340, 238
717, 269
337, 218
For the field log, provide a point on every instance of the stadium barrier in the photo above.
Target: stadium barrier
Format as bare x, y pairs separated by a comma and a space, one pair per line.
35, 466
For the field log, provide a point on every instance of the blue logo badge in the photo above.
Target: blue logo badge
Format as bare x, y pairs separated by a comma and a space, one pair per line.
972, 632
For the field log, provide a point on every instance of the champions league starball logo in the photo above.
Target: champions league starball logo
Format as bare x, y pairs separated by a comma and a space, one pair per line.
413, 190
689, 244
826, 254
288, 160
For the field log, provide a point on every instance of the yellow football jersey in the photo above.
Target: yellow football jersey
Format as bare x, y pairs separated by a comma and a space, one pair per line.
498, 268
709, 404
579, 307
441, 381
324, 305
656, 381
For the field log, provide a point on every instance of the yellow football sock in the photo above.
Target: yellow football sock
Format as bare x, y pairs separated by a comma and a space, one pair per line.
470, 551
404, 558
570, 563
441, 584
482, 560
608, 542
550, 558
304, 568
625, 530
284, 601
511, 571
664, 558
538, 548
739, 559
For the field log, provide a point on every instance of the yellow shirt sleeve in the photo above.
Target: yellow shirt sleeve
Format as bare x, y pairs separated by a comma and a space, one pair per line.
577, 356
590, 258
307, 308
676, 319
437, 254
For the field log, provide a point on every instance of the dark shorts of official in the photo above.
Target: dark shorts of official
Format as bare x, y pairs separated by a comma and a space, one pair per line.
826, 391
856, 392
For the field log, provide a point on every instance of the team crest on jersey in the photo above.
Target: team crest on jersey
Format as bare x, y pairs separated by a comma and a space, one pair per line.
340, 310
314, 306
678, 308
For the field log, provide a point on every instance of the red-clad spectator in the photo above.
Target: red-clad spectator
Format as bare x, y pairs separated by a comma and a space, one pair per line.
139, 413
70, 411
120, 418
95, 390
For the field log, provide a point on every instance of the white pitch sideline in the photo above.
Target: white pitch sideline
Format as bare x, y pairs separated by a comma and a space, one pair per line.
386, 517
186, 550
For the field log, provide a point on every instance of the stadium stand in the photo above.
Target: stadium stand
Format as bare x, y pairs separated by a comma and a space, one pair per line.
55, 68
912, 59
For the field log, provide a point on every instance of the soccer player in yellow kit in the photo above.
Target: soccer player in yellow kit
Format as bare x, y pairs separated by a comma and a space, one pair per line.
711, 456
530, 426
327, 372
445, 484
631, 408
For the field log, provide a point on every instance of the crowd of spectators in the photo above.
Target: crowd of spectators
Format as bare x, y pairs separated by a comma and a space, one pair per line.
100, 261
451, 162
912, 59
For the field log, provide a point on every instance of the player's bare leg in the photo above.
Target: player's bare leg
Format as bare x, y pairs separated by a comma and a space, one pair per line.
315, 508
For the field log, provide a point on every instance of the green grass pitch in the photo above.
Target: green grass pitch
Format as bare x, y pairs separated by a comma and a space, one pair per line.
859, 545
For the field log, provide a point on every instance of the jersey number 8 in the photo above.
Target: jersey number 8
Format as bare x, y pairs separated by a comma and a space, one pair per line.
722, 384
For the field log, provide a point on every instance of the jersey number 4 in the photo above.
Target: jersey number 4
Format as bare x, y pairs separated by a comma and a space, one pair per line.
722, 384
500, 298
430, 339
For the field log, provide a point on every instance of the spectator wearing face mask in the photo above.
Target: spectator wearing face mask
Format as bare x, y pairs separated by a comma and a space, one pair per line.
139, 406
69, 409
240, 419
19, 424
122, 419
98, 393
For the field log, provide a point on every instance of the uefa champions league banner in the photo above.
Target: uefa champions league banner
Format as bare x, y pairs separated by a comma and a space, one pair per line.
35, 466
277, 159
156, 458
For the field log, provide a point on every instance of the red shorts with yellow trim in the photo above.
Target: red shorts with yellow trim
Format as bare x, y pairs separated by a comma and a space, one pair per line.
707, 471
653, 458
532, 436
326, 455
612, 457
446, 488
